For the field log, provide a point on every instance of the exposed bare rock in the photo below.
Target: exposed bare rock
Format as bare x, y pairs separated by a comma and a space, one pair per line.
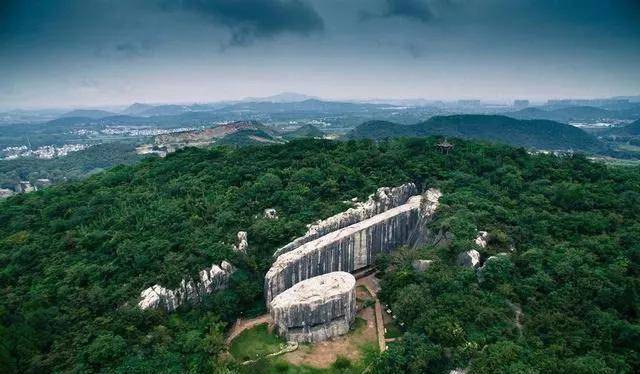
459, 371
384, 199
422, 235
421, 265
241, 242
470, 259
316, 309
210, 280
351, 247
270, 213
482, 239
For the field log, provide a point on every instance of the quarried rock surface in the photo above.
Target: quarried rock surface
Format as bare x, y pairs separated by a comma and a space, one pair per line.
316, 309
351, 247
210, 280
384, 199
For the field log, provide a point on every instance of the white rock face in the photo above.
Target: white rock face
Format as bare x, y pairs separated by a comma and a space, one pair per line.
459, 371
270, 213
316, 309
470, 259
241, 242
421, 265
350, 247
384, 199
482, 239
210, 280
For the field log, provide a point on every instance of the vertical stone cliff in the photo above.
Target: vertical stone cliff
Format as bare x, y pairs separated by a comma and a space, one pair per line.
382, 200
316, 309
353, 246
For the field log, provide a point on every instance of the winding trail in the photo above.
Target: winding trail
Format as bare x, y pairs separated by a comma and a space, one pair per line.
240, 325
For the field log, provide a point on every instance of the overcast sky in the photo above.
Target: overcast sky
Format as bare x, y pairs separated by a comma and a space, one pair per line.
102, 52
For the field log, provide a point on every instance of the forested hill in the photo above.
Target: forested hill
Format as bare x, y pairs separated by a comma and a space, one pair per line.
74, 258
539, 134
632, 129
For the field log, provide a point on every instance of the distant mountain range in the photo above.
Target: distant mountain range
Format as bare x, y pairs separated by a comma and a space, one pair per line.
539, 134
88, 113
285, 97
284, 103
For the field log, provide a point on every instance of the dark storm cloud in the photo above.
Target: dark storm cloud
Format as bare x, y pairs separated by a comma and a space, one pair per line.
253, 19
416, 9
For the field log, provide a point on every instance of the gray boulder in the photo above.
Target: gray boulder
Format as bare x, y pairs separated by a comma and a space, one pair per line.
270, 213
241, 242
470, 259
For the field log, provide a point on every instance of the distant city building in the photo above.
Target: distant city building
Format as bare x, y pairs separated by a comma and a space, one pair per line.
520, 103
588, 102
5, 192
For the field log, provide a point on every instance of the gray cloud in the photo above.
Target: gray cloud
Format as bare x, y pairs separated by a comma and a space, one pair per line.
416, 9
165, 50
253, 19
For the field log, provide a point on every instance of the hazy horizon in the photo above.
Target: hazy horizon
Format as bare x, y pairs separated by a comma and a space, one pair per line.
63, 54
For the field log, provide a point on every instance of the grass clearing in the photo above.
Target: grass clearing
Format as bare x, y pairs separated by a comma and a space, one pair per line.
255, 342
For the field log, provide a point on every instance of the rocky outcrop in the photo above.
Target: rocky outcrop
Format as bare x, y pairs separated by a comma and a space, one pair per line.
384, 199
241, 242
470, 259
316, 309
354, 246
189, 291
421, 265
270, 213
482, 239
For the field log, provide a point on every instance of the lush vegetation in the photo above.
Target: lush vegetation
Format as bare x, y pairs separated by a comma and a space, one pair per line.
305, 131
539, 134
74, 257
573, 274
255, 342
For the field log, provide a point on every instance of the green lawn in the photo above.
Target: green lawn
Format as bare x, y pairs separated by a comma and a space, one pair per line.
255, 342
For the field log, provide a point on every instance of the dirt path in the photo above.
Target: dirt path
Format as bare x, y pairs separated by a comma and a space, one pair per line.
242, 325
372, 287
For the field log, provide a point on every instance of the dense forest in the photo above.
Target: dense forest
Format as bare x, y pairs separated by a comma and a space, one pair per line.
74, 257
